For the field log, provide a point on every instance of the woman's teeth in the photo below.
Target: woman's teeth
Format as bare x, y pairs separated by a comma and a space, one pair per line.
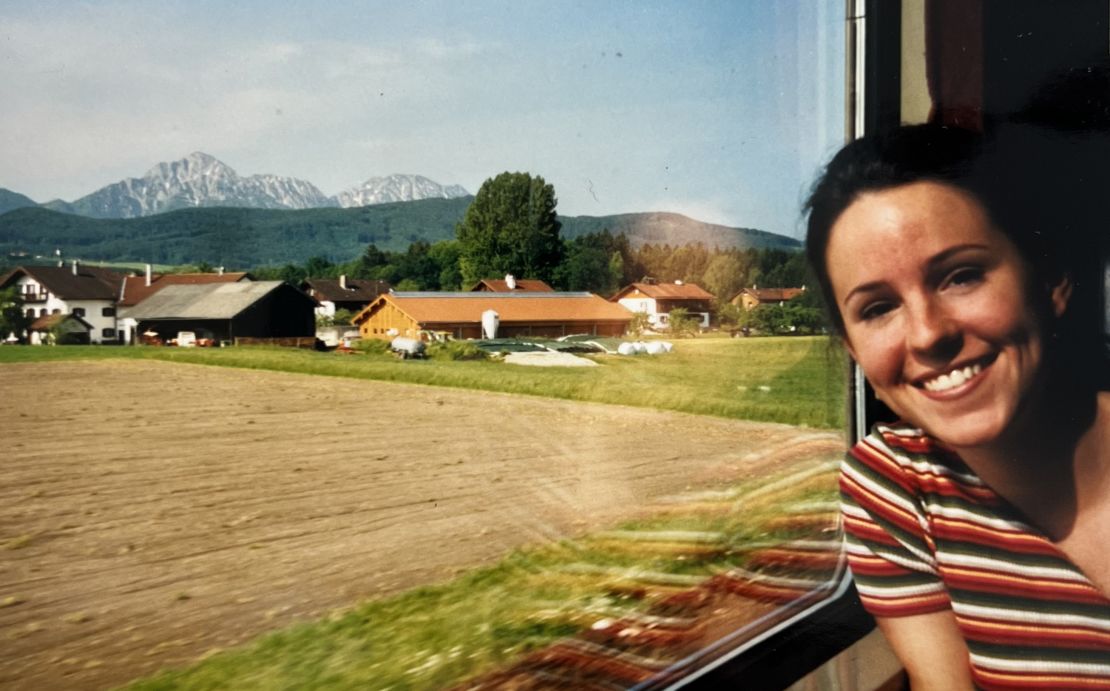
952, 379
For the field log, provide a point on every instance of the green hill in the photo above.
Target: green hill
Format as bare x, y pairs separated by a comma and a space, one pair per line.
238, 237
13, 200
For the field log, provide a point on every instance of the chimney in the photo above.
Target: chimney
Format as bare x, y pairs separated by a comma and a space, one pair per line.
510, 281
75, 265
343, 281
149, 268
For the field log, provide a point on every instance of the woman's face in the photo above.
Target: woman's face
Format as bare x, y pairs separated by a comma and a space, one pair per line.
937, 310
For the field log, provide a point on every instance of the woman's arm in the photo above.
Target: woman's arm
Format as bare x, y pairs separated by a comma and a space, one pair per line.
931, 649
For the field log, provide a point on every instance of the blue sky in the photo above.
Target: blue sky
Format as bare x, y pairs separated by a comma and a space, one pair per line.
722, 111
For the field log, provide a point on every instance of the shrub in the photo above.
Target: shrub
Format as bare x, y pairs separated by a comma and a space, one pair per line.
371, 346
456, 350
681, 323
639, 324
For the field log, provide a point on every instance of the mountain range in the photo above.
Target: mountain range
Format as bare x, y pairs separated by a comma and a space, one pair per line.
244, 238
198, 209
201, 180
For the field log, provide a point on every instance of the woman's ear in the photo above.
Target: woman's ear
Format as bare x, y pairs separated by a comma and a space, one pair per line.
1060, 294
848, 346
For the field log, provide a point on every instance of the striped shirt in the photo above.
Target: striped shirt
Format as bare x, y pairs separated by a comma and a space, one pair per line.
923, 533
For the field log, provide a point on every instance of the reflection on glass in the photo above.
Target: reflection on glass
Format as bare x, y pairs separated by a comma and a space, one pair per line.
614, 527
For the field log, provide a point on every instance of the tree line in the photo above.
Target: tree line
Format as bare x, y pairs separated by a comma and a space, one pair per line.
511, 228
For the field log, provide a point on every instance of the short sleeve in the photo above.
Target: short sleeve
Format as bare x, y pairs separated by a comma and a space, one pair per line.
889, 550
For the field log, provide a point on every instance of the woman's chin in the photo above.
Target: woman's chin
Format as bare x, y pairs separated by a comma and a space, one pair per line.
967, 431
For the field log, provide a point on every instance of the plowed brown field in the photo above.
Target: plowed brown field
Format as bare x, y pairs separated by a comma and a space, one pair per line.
151, 512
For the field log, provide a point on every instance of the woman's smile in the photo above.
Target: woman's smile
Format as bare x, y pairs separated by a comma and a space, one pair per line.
938, 310
956, 381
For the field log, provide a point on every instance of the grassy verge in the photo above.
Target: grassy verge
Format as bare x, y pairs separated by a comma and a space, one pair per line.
798, 380
435, 637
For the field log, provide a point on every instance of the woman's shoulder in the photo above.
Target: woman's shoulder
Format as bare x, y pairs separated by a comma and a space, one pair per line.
904, 451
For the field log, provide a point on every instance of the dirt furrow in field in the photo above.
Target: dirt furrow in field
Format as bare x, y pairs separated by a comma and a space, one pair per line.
151, 512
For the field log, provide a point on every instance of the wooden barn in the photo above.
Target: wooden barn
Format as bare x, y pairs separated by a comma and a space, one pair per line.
227, 311
541, 314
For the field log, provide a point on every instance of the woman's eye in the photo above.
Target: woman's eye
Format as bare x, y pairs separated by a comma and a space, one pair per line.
875, 310
963, 276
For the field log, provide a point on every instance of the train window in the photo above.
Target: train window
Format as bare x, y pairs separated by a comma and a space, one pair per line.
580, 531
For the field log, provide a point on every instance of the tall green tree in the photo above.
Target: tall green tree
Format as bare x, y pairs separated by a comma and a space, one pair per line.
591, 262
510, 227
445, 254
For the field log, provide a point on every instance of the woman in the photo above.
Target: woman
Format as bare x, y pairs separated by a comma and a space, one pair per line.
978, 528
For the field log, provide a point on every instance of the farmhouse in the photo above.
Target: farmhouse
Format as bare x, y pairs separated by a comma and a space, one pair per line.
84, 291
510, 284
135, 289
344, 293
226, 311
750, 298
656, 300
545, 314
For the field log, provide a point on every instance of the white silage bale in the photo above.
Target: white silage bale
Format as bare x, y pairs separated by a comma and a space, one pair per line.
626, 349
655, 348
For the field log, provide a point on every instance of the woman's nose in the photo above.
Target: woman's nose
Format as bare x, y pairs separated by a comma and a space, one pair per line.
932, 333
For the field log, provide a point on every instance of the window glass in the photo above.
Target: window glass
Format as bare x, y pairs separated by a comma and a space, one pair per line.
618, 524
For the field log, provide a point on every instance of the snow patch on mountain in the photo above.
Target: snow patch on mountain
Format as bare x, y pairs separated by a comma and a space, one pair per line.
397, 188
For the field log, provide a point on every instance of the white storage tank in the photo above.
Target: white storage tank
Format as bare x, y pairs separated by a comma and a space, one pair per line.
490, 321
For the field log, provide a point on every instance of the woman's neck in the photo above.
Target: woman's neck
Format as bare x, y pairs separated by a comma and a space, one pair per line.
1054, 462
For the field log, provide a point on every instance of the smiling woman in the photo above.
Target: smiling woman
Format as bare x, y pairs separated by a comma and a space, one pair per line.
975, 526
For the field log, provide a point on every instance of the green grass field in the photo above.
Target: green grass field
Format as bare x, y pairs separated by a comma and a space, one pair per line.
794, 380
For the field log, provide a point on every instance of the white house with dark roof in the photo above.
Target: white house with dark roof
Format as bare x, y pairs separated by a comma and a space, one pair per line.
351, 294
86, 292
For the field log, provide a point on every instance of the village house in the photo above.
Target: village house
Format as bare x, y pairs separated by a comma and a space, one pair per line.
224, 312
135, 289
85, 292
657, 300
351, 294
539, 314
750, 298
511, 284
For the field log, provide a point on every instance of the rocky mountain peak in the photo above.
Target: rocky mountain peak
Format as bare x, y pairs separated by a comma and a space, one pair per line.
201, 179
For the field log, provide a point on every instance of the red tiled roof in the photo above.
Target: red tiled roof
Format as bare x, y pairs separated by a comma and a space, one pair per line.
135, 289
666, 291
468, 307
773, 294
500, 285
